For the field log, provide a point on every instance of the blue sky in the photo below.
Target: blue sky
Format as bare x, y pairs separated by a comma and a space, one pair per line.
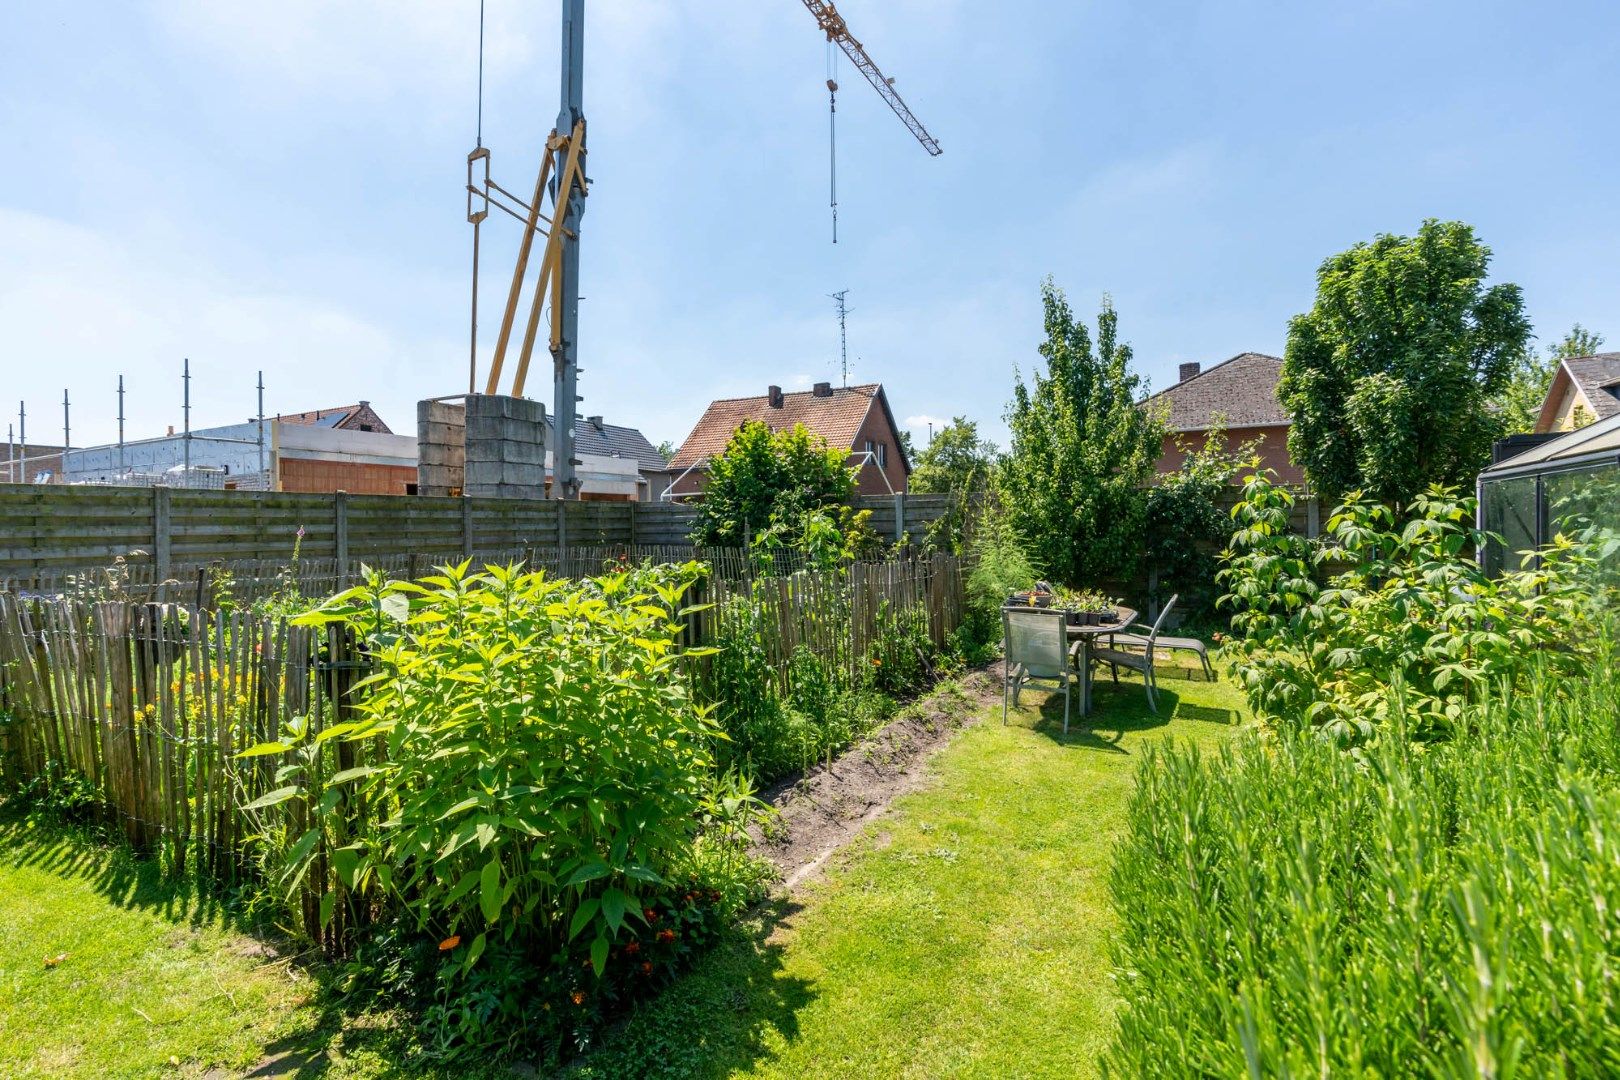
278, 186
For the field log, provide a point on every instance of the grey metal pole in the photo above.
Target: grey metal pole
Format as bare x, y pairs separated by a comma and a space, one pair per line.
120, 425
67, 433
22, 435
261, 429
565, 359
185, 410
11, 454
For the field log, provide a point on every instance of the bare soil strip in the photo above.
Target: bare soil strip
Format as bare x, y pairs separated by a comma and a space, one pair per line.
822, 810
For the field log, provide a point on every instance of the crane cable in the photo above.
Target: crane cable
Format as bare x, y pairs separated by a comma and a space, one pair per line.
472, 348
832, 132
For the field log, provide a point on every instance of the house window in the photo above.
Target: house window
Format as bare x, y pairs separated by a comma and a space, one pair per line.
879, 452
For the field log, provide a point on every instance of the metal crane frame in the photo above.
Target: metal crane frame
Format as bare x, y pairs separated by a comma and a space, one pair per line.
837, 31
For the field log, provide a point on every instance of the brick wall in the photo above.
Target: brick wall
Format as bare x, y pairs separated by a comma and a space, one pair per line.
1273, 450
876, 429
317, 477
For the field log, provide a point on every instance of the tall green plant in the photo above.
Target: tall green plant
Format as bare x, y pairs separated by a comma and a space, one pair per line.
1403, 604
543, 766
766, 478
1082, 452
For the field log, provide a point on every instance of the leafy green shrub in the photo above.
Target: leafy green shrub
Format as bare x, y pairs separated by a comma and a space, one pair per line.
1287, 909
544, 765
1000, 567
1185, 527
765, 477
1405, 602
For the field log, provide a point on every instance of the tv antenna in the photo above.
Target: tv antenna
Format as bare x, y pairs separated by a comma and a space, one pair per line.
843, 334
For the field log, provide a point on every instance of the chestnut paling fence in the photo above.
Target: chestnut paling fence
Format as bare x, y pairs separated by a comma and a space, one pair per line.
149, 706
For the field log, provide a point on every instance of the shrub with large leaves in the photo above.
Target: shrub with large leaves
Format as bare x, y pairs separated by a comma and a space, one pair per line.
541, 767
1404, 603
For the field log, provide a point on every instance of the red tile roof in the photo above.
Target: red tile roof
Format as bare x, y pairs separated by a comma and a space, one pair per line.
836, 418
1241, 392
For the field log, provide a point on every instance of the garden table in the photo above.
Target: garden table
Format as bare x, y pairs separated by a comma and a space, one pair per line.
1084, 636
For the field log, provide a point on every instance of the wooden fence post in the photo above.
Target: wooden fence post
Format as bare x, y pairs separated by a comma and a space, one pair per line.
160, 532
340, 536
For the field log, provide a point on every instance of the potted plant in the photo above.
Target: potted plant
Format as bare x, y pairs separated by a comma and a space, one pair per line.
1088, 607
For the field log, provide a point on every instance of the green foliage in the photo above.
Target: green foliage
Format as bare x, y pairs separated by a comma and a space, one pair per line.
1083, 451
1000, 568
543, 763
1186, 527
1289, 910
828, 537
957, 463
766, 479
1519, 404
1406, 605
1391, 376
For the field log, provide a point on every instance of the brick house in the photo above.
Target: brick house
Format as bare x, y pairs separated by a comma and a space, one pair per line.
361, 417
1240, 395
852, 418
1583, 387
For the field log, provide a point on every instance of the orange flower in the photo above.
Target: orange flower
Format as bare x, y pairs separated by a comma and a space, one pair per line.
646, 967
632, 947
876, 662
666, 935
450, 942
579, 997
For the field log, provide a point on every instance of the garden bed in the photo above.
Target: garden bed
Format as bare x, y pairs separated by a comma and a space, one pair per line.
821, 810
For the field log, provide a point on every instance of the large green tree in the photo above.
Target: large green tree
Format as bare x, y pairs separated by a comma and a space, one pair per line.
959, 464
1391, 377
1075, 479
765, 479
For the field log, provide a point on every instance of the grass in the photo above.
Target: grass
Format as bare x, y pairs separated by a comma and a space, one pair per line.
155, 978
966, 934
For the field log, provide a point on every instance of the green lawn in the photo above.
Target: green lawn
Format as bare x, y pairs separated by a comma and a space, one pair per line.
966, 934
153, 979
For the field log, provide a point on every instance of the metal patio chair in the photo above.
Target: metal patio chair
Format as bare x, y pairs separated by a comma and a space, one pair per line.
1117, 658
1167, 644
1037, 649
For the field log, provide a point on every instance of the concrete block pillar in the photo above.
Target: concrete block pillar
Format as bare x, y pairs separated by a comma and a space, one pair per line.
441, 457
505, 447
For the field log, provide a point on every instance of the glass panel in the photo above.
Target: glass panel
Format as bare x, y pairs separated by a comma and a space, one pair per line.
1585, 506
1509, 512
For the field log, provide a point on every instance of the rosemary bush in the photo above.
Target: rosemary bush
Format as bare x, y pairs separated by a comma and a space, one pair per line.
1288, 909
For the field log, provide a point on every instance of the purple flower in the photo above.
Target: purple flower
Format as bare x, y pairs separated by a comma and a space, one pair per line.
300, 532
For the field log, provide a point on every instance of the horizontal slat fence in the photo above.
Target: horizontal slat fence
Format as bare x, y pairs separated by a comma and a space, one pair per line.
151, 703
54, 530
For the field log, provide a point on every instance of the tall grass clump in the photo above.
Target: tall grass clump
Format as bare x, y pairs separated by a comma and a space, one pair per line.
1445, 909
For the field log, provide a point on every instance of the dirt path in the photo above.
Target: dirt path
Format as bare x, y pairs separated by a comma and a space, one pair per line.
821, 811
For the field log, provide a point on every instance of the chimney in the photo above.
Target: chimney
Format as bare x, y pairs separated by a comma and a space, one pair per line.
171, 429
595, 422
774, 393
823, 389
1189, 370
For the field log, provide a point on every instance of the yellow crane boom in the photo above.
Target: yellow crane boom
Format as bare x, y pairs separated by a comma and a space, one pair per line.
837, 31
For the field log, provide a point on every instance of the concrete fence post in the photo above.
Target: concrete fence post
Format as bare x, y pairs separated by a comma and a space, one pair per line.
899, 516
340, 536
161, 534
466, 527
